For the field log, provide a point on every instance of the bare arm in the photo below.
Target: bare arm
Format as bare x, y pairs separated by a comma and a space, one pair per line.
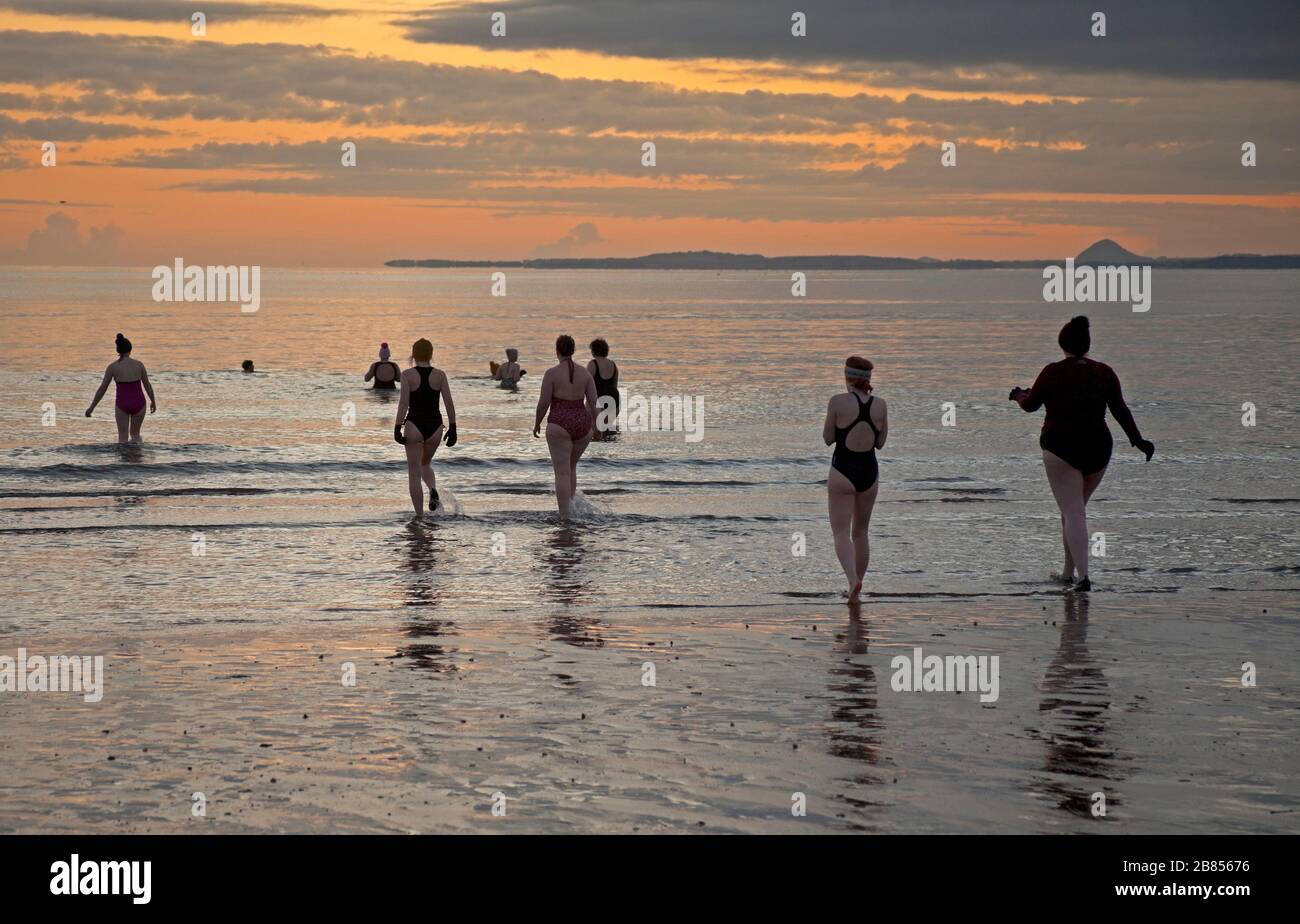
370, 373
447, 402
590, 395
103, 387
148, 388
403, 402
883, 429
543, 403
828, 428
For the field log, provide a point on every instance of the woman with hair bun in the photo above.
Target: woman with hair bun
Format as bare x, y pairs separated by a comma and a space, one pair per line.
132, 385
1075, 440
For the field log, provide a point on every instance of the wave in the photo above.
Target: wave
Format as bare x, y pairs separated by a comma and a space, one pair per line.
167, 492
1257, 500
451, 462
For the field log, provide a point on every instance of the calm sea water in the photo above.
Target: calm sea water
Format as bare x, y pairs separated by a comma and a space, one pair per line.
300, 514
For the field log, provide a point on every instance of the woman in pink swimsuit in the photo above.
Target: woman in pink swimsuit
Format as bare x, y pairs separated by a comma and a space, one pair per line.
132, 385
569, 393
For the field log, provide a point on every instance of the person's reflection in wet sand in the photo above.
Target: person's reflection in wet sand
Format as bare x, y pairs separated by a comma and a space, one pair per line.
1075, 700
565, 582
853, 731
424, 593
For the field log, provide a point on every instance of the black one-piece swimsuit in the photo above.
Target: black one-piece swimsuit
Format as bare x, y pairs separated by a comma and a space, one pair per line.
423, 408
860, 468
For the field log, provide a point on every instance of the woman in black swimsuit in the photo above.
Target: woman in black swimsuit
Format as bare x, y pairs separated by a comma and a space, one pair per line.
419, 422
857, 428
384, 372
605, 374
1076, 442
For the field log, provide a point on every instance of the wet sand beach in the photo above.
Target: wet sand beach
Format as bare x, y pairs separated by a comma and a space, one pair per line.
1137, 696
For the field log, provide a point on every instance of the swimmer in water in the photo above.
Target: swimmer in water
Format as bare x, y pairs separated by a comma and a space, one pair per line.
857, 428
605, 373
569, 393
509, 373
132, 385
419, 422
384, 372
1075, 440
247, 365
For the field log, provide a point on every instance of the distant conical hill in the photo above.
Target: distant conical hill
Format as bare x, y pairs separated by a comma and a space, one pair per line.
1107, 253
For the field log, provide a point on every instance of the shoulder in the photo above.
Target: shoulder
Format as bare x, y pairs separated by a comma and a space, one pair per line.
878, 402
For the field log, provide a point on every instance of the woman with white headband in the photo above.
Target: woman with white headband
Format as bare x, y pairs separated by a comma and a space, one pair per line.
853, 480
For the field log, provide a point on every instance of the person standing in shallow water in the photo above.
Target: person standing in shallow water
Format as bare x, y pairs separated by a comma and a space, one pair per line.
569, 393
604, 372
857, 428
1075, 440
132, 385
419, 422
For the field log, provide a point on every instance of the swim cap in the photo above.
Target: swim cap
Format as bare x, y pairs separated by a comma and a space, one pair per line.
383, 351
512, 354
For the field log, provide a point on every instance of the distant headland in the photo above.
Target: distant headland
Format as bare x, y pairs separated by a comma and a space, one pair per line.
1103, 253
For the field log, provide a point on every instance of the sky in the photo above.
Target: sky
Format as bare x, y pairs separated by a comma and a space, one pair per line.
227, 147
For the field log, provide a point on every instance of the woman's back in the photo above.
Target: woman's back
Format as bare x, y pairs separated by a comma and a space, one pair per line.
855, 417
126, 369
568, 381
1077, 391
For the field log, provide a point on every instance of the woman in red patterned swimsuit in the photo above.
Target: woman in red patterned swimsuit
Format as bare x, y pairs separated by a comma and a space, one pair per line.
569, 393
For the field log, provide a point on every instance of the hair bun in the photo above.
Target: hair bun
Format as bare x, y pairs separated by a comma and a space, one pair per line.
1080, 320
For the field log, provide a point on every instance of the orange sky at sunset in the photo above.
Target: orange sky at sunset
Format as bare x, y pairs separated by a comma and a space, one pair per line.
226, 147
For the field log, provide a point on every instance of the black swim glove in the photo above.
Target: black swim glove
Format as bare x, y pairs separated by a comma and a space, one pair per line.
397, 434
1147, 447
451, 436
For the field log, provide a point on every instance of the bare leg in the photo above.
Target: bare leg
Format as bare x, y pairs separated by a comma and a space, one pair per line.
1067, 570
840, 503
578, 449
863, 504
426, 459
414, 465
137, 419
1067, 488
561, 446
123, 422
1090, 483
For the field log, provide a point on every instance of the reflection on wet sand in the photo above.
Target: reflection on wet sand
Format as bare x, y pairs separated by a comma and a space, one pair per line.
565, 582
853, 731
423, 591
1076, 698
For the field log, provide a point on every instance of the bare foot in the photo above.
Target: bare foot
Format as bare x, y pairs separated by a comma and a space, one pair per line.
854, 591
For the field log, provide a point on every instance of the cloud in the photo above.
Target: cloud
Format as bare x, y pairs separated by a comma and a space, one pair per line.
1200, 39
60, 242
168, 10
578, 238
